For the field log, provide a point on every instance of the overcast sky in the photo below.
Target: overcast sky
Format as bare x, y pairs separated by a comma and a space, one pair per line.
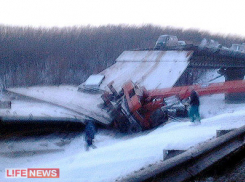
216, 16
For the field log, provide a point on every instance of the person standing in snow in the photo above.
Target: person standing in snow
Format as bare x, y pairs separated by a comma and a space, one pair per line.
194, 107
89, 134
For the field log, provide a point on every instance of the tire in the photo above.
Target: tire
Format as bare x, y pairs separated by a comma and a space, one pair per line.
158, 117
134, 128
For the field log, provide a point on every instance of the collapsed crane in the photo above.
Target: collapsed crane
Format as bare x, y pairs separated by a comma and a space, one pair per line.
135, 109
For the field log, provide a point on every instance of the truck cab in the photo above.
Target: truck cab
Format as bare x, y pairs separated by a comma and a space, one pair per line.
238, 47
165, 41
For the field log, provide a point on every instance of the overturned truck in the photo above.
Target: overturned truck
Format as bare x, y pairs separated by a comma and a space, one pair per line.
135, 109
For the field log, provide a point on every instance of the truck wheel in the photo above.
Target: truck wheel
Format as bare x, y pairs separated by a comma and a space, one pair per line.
134, 128
158, 117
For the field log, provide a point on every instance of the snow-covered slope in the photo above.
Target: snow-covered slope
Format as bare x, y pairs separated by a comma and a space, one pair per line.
116, 154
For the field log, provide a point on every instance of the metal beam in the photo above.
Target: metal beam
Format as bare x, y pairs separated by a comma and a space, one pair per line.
195, 160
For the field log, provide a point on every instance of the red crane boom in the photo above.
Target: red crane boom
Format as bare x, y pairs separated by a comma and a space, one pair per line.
142, 109
183, 92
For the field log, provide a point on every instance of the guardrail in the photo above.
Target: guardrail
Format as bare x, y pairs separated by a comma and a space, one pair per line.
190, 163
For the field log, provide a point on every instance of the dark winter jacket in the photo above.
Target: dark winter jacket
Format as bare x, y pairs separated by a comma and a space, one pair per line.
90, 130
194, 99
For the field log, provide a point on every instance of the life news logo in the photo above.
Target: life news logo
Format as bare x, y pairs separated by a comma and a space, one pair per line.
32, 173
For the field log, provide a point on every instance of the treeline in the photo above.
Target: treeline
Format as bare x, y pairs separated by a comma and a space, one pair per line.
32, 56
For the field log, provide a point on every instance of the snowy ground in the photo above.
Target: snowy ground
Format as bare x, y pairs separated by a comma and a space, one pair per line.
117, 155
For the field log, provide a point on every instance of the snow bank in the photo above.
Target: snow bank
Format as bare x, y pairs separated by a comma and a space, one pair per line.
117, 155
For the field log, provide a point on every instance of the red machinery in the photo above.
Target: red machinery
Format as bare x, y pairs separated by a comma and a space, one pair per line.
137, 109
